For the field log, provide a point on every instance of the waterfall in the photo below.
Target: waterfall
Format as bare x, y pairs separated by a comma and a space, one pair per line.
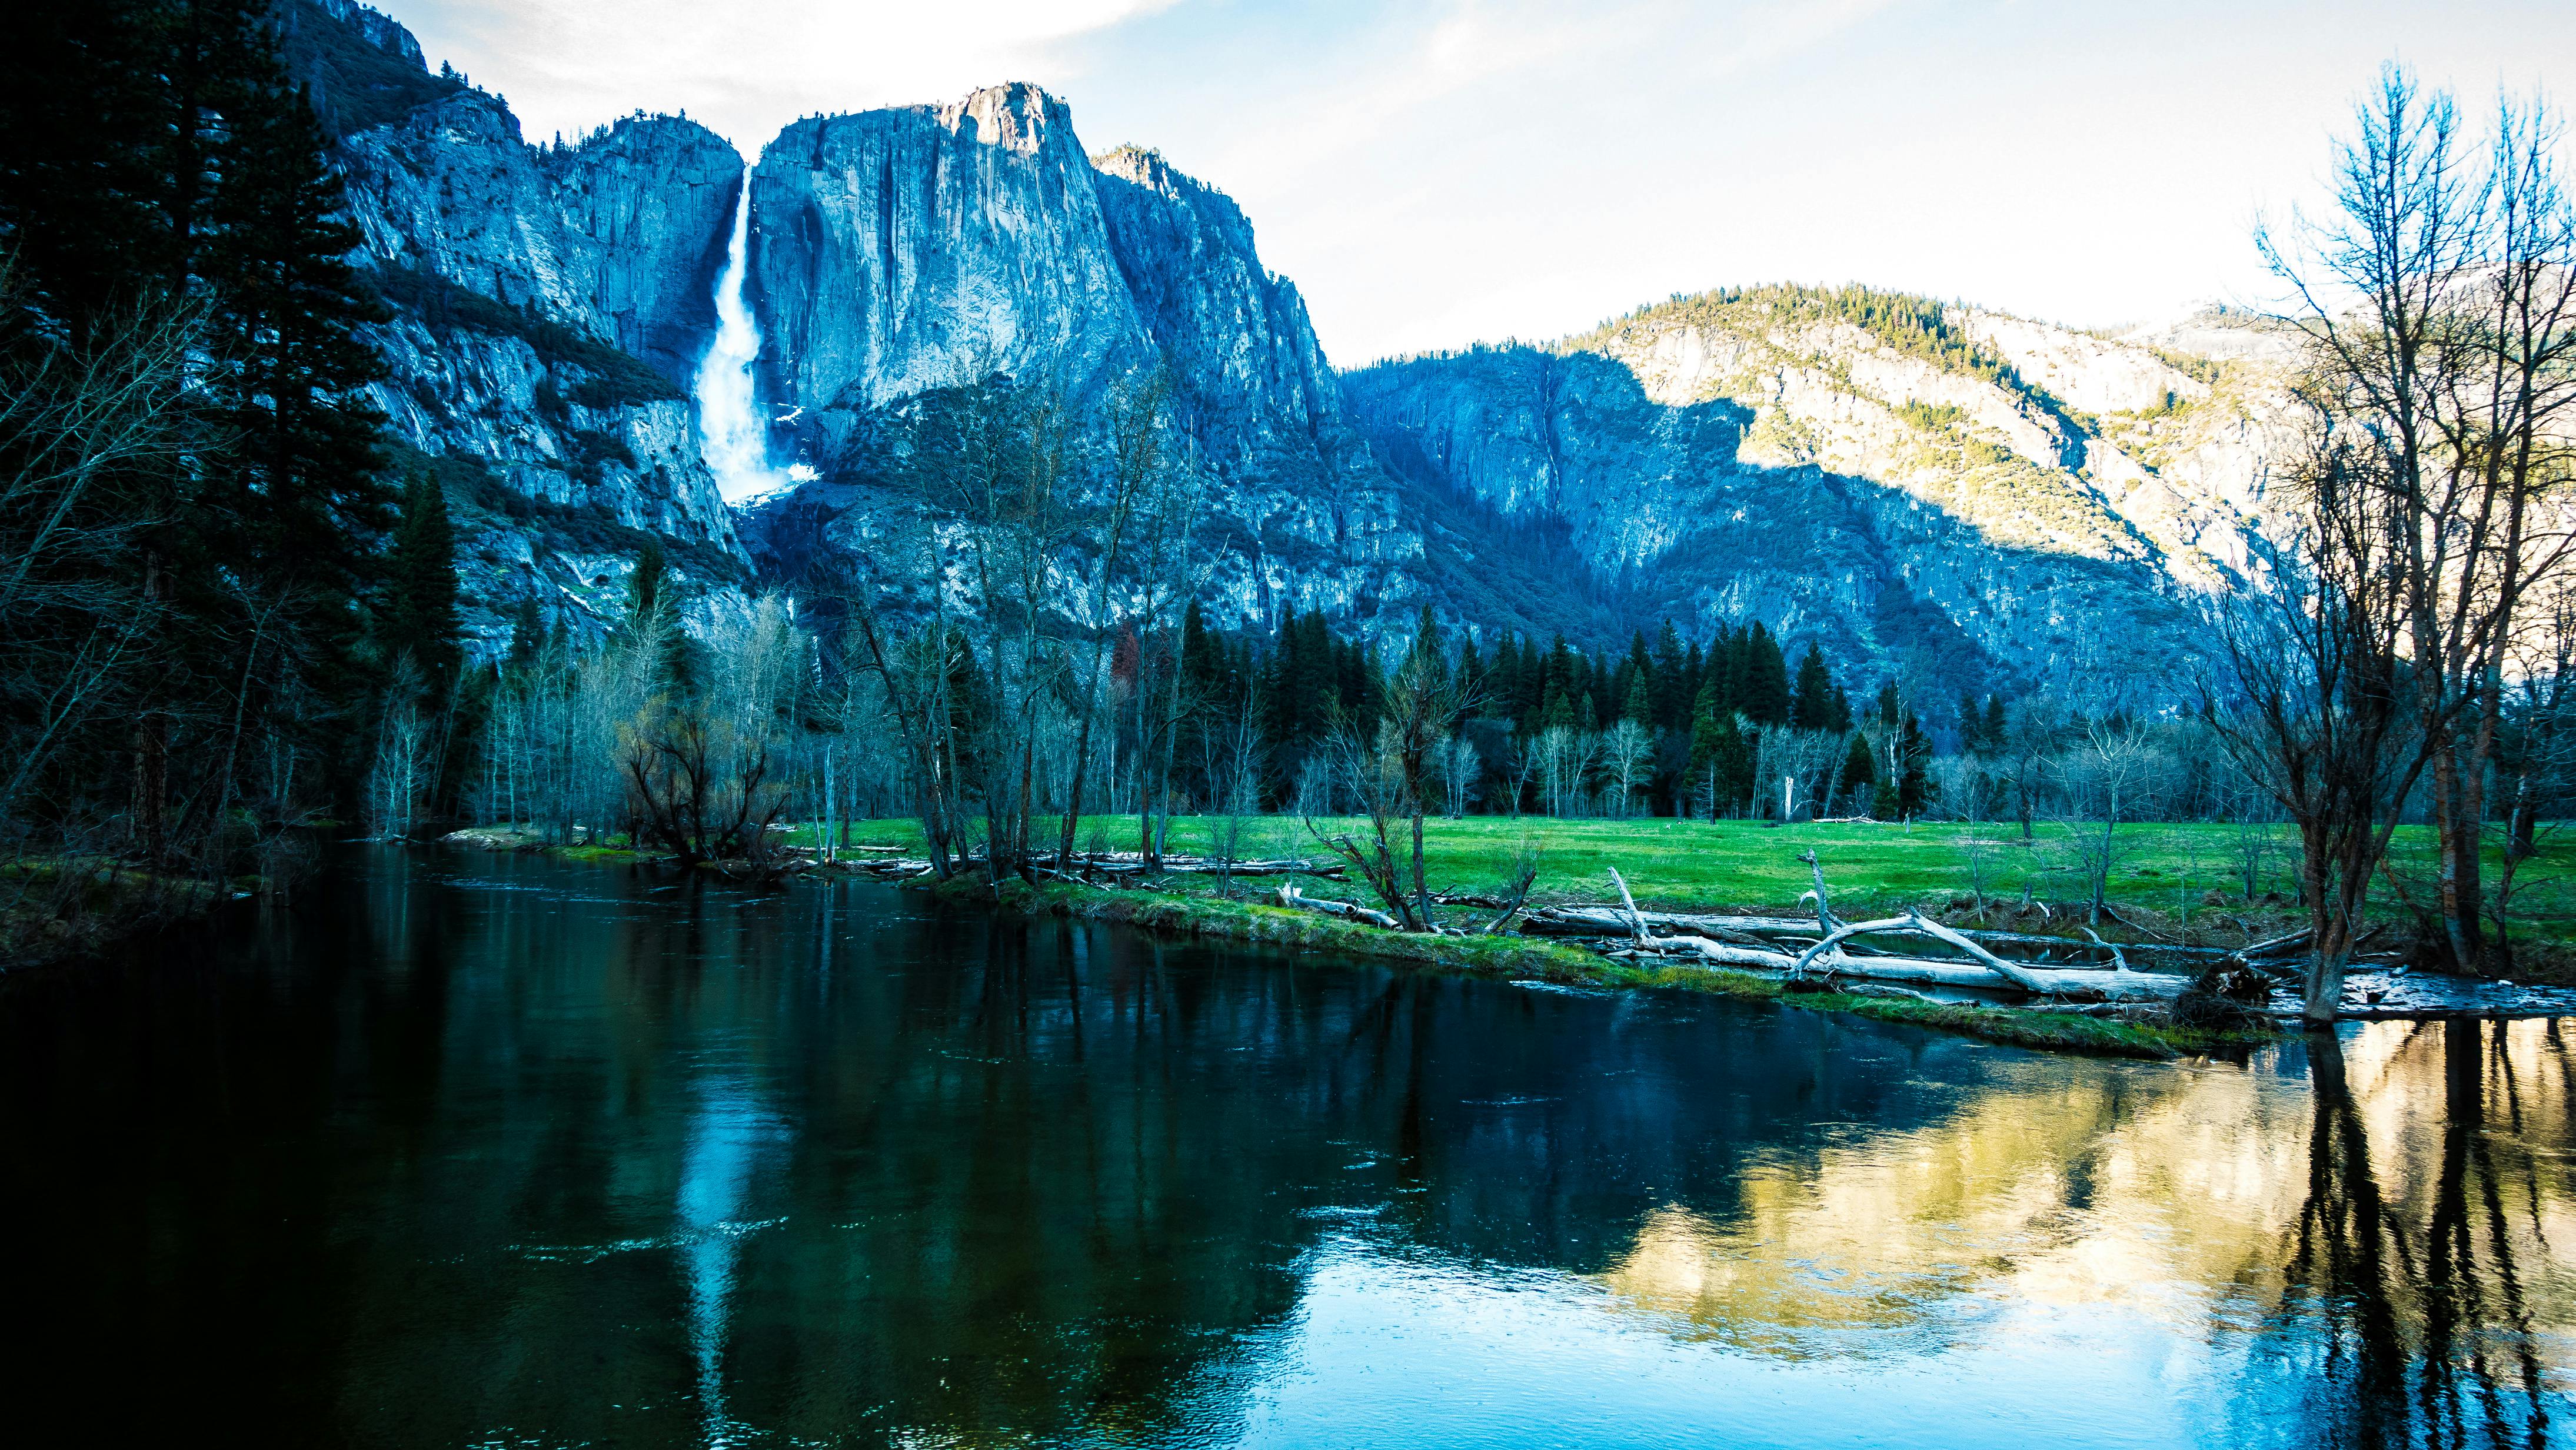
733, 437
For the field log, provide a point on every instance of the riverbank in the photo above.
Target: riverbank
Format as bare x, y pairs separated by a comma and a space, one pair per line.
1183, 913
61, 909
1525, 959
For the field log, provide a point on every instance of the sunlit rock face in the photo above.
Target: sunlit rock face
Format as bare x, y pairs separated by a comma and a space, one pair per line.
2021, 502
2229, 1198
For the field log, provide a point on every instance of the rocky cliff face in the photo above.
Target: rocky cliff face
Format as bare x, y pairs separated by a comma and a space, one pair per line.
550, 305
1975, 496
1967, 495
900, 251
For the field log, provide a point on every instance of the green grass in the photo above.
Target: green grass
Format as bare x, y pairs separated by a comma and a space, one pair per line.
2163, 868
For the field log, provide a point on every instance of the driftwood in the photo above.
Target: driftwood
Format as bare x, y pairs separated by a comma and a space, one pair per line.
1290, 896
1636, 923
2088, 983
1824, 915
1832, 941
1610, 919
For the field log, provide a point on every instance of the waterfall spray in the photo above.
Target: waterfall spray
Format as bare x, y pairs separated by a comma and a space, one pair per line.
734, 438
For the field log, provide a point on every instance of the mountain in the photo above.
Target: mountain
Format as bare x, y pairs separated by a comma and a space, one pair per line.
1966, 493
1963, 495
550, 304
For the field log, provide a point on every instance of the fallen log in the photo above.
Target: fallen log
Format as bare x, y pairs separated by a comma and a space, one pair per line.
2277, 946
1825, 919
2119, 963
2081, 983
1832, 941
1290, 896
1609, 919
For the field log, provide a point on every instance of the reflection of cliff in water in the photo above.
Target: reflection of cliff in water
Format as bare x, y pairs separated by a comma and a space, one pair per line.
2387, 1231
620, 1156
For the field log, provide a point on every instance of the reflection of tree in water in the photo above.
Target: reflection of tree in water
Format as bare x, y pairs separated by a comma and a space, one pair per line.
2417, 1309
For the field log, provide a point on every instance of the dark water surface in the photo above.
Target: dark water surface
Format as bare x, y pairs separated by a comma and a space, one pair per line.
492, 1151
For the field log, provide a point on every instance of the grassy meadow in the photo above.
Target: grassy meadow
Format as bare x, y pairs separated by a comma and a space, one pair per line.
2168, 869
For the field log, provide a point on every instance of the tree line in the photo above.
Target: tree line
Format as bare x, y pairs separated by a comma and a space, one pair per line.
197, 623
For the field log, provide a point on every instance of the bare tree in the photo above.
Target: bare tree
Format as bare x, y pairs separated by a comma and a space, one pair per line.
1239, 755
2109, 778
1459, 768
1389, 776
1139, 472
2439, 300
92, 433
1628, 749
2312, 699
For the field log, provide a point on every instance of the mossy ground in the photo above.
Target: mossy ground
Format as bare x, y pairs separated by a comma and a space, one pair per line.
1521, 958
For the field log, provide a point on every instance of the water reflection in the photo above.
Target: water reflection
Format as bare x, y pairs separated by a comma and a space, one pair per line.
491, 1150
726, 1134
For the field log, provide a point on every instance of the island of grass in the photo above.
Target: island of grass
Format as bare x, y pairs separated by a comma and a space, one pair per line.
1194, 914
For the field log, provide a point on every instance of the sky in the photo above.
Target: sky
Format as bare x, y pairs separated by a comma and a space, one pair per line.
1439, 173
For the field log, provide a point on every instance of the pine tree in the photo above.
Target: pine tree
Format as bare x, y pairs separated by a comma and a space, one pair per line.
527, 635
420, 605
1860, 770
1558, 711
1812, 702
1640, 704
304, 497
1762, 692
653, 618
1719, 757
1528, 684
1971, 740
1670, 690
1914, 756
1202, 664
644, 585
1997, 729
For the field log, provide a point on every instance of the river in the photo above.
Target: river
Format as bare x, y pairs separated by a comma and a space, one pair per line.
476, 1150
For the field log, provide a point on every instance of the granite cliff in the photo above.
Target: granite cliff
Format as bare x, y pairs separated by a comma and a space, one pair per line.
1962, 493
1974, 493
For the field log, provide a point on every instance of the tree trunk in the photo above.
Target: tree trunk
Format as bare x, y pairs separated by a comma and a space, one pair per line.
152, 787
1421, 882
2456, 847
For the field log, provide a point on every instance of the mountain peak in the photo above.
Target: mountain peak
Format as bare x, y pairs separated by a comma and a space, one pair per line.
1016, 115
